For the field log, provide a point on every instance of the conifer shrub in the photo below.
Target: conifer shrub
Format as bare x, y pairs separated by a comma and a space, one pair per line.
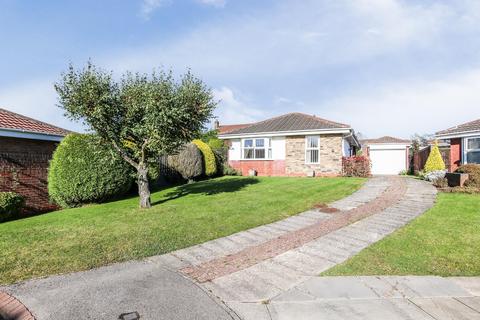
434, 160
208, 157
11, 205
188, 163
83, 170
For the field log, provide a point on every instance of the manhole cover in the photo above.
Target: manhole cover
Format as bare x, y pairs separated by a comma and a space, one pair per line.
128, 316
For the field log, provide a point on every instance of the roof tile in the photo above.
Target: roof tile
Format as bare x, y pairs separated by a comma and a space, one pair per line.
461, 128
13, 121
289, 122
385, 139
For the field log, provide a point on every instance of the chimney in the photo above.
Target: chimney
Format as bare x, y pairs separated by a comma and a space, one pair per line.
216, 124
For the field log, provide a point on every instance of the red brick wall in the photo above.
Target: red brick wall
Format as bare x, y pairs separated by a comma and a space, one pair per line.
263, 167
455, 154
24, 168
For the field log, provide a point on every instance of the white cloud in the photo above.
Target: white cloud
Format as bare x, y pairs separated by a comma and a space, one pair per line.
36, 99
149, 6
232, 109
215, 3
415, 106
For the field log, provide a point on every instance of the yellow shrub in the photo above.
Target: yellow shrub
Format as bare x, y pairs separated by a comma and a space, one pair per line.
435, 160
208, 157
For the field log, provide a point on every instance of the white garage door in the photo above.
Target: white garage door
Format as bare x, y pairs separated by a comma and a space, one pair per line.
386, 161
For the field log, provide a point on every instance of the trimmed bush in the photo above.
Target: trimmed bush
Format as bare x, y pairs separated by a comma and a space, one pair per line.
473, 171
11, 204
434, 160
208, 157
83, 171
188, 162
356, 166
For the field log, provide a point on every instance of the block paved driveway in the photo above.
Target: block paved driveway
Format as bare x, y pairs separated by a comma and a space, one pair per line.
268, 272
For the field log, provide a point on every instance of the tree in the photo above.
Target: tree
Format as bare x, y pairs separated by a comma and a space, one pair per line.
434, 160
142, 116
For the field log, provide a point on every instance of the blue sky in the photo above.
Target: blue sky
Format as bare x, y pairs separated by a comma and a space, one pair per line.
387, 67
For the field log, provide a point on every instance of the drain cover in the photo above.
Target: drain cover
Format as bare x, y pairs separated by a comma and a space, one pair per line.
129, 316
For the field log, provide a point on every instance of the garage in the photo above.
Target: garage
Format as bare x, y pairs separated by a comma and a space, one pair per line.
388, 155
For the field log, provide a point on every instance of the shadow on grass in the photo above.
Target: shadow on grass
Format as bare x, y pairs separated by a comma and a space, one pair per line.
208, 187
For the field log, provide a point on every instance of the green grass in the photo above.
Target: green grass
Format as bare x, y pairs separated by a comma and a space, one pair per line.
445, 241
96, 235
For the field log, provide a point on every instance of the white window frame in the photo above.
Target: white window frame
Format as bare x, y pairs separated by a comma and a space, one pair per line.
307, 148
267, 146
466, 150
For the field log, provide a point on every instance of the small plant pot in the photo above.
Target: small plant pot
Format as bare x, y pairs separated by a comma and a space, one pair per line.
252, 173
456, 179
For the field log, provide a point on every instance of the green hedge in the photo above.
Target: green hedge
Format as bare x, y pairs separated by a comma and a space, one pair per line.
83, 171
473, 171
208, 157
11, 204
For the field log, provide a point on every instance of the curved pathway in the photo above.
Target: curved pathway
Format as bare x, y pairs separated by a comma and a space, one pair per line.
248, 278
241, 270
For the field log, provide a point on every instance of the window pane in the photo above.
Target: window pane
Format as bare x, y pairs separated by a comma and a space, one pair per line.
248, 153
259, 153
248, 143
259, 143
269, 153
473, 143
312, 142
312, 156
473, 157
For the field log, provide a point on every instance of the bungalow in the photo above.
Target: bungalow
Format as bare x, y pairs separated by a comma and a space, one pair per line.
464, 143
26, 147
294, 144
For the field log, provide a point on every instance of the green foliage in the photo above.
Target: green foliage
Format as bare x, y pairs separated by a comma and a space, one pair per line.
444, 241
83, 170
435, 160
208, 157
473, 171
11, 204
188, 162
95, 235
141, 115
208, 135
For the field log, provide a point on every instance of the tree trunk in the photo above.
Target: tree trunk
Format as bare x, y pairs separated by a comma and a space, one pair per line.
143, 186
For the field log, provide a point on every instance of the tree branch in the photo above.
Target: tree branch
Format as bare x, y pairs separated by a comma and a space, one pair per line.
125, 155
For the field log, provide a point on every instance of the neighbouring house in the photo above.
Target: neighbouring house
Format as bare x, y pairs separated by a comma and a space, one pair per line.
294, 144
464, 143
26, 147
388, 155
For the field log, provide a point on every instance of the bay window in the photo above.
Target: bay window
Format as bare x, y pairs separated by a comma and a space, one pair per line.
256, 148
312, 149
472, 150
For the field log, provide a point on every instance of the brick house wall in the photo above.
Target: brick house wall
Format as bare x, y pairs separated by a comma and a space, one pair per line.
294, 163
455, 154
263, 167
24, 170
330, 156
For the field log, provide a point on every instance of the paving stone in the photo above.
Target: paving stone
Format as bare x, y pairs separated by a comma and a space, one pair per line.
303, 262
472, 302
169, 261
371, 309
250, 311
247, 287
446, 309
425, 287
469, 284
337, 288
293, 295
276, 274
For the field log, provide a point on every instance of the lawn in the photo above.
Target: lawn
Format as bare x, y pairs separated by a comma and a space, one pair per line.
96, 235
445, 241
